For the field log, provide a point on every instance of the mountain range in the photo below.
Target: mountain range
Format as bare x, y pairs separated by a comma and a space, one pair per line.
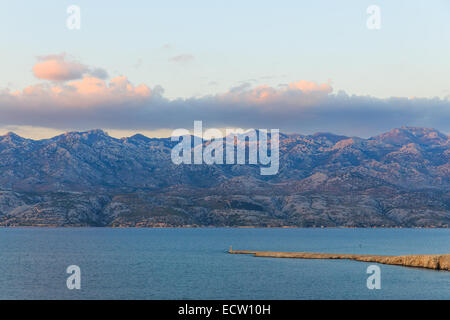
397, 179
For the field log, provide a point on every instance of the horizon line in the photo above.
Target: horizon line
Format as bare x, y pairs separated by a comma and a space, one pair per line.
105, 132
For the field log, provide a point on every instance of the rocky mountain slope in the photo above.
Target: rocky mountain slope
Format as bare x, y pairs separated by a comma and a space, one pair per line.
399, 178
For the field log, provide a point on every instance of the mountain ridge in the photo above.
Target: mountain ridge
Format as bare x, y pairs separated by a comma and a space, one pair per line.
320, 133
395, 179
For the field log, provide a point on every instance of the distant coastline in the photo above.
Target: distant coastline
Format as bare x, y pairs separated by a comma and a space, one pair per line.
212, 227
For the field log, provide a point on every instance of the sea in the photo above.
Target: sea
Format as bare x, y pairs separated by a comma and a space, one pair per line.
193, 263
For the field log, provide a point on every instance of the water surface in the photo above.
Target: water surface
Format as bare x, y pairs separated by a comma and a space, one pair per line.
193, 264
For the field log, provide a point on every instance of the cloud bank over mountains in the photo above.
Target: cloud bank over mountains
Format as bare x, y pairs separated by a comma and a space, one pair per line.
76, 97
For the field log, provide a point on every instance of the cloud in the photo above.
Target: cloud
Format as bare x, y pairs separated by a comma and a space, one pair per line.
88, 92
309, 86
98, 73
301, 106
293, 93
56, 67
183, 58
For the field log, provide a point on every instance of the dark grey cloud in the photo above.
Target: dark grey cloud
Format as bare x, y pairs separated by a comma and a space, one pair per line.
98, 73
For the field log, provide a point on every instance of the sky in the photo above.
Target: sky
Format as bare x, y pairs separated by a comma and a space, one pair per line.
154, 66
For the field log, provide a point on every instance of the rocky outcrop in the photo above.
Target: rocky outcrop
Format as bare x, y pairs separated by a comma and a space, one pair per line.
436, 262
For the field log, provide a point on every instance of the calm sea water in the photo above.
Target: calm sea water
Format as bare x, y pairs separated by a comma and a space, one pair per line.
193, 264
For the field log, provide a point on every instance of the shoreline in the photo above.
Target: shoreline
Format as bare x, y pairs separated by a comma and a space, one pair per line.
217, 227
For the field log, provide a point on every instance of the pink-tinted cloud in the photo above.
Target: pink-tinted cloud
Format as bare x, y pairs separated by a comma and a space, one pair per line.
57, 67
302, 91
310, 86
86, 92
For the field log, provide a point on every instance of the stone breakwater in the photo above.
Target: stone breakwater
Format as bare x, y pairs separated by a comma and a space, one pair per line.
432, 261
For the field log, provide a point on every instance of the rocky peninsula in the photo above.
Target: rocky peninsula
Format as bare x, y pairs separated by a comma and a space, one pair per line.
432, 261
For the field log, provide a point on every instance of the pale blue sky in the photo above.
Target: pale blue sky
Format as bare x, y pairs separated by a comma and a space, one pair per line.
272, 42
341, 75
